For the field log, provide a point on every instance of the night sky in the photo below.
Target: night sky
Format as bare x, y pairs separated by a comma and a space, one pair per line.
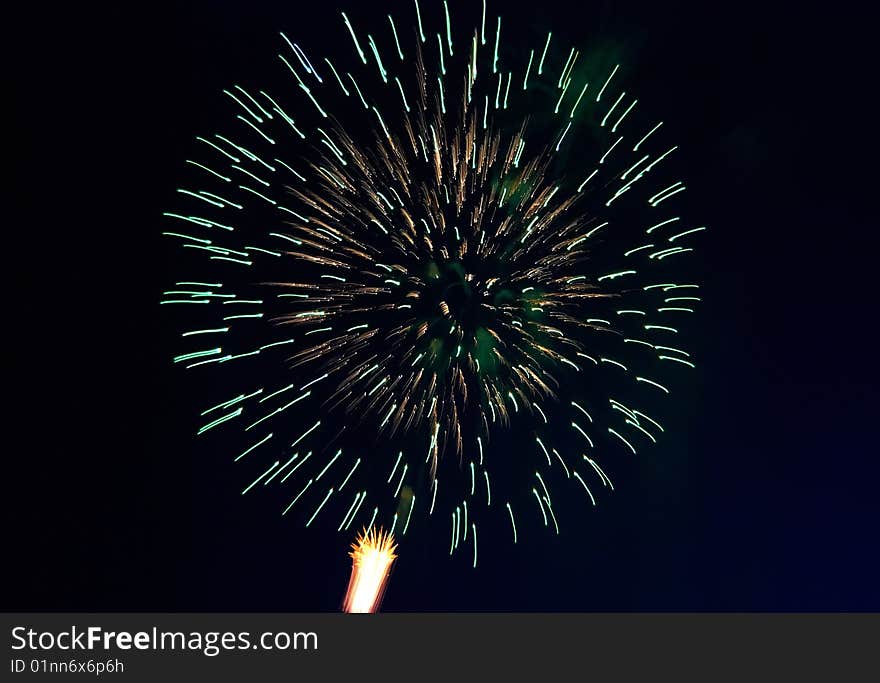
762, 498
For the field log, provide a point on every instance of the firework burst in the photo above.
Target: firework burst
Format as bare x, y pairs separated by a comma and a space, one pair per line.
410, 255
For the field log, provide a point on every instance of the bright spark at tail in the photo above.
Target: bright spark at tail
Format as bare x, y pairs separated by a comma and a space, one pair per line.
372, 556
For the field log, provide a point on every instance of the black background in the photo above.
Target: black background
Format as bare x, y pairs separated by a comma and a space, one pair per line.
764, 500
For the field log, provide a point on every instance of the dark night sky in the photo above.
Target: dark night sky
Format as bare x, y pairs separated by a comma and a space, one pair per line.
764, 499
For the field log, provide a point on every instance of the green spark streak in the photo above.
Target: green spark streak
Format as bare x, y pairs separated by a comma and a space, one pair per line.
612, 276
561, 95
314, 101
335, 73
583, 433
312, 518
211, 331
400, 483
483, 25
452, 537
243, 315
402, 96
434, 496
614, 71
329, 464
219, 149
474, 528
203, 198
544, 54
396, 40
375, 49
256, 104
653, 199
642, 429
306, 433
261, 196
472, 73
354, 38
611, 109
280, 469
653, 383
197, 354
237, 399
565, 68
298, 496
633, 251
528, 69
677, 360
512, 522
465, 525
255, 481
544, 486
543, 448
540, 505
622, 439
497, 41
604, 156
394, 469
388, 416
256, 445
373, 518
409, 514
220, 420
628, 109
582, 410
636, 148
669, 252
559, 144
586, 488
278, 410
348, 476
205, 168
442, 99
379, 116
300, 464
265, 137
552, 515
358, 508
275, 393
351, 507
686, 232
660, 225
578, 101
448, 27
419, 18
581, 186
633, 167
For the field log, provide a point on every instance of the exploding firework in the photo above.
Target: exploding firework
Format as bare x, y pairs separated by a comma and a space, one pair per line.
372, 555
427, 288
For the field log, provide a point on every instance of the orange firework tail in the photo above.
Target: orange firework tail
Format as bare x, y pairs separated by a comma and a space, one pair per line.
372, 556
